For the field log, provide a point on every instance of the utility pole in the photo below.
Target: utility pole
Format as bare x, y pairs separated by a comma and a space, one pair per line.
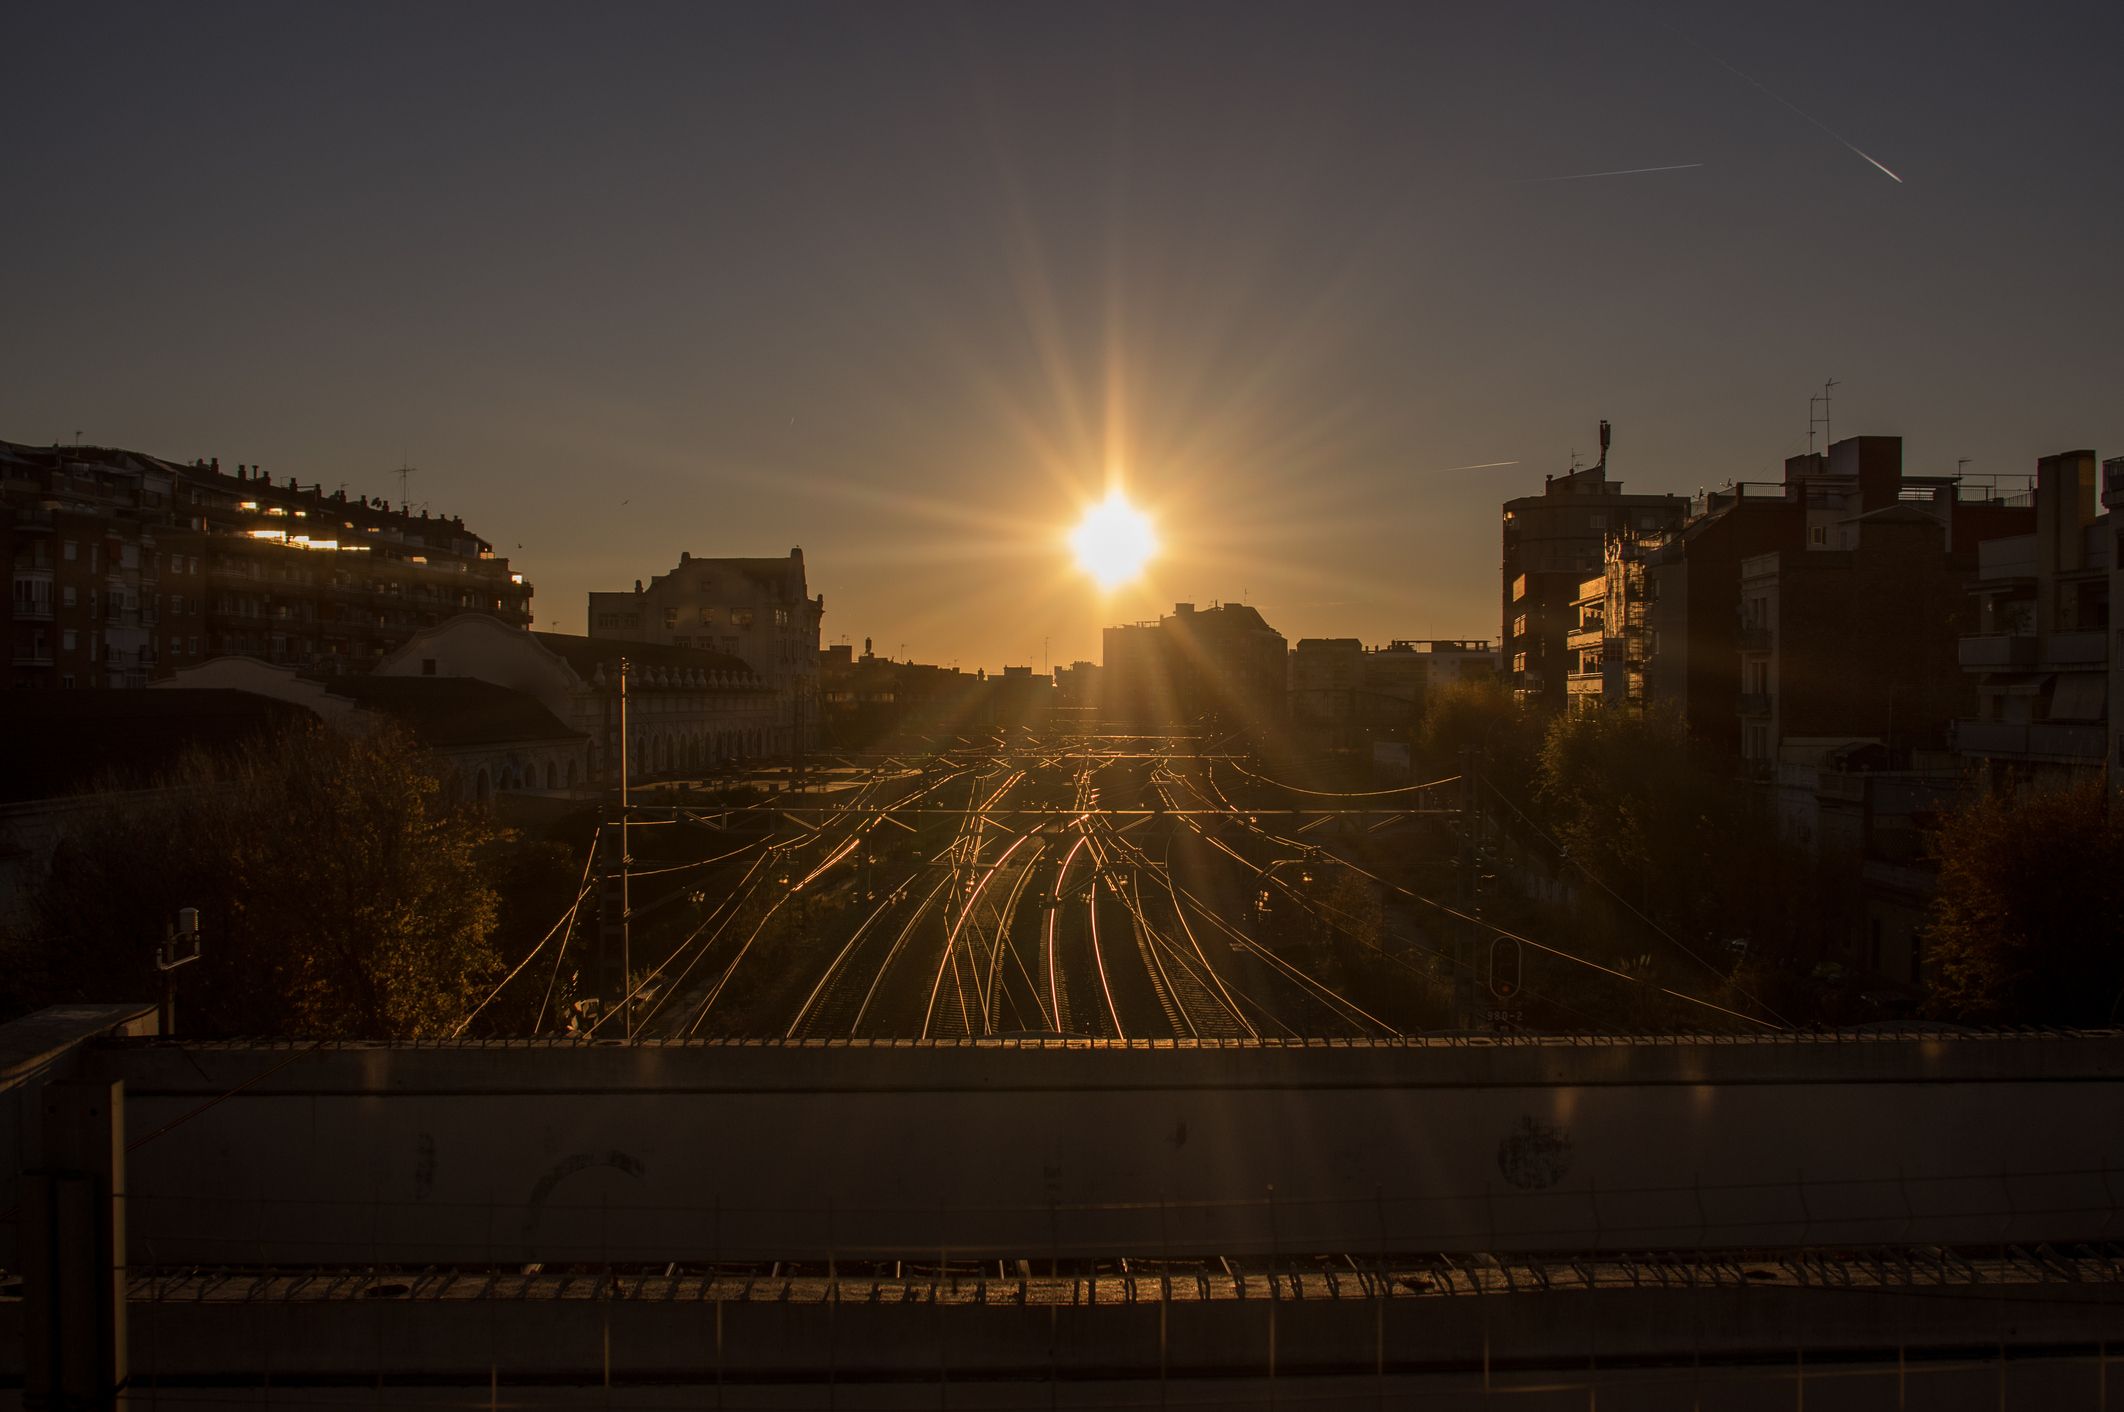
615, 963
179, 947
1464, 973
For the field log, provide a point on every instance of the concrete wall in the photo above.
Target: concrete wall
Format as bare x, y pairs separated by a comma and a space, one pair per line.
726, 1151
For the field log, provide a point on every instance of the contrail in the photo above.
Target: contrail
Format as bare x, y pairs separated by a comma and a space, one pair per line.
1845, 141
1626, 171
1478, 466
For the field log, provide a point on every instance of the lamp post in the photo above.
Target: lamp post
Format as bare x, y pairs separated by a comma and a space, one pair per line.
179, 947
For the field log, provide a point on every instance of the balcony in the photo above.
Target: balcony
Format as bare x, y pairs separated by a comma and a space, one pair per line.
1755, 703
1583, 639
2066, 742
2074, 649
1755, 639
1998, 651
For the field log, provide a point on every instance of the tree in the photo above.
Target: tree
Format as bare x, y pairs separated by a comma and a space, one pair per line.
2027, 923
1666, 829
1624, 795
338, 896
1480, 721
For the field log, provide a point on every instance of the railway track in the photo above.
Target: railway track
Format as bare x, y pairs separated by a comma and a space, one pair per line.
1101, 888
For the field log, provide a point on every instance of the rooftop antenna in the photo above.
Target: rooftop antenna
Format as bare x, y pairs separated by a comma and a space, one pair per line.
404, 474
1823, 420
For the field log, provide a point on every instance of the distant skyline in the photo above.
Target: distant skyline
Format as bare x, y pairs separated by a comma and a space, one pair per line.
905, 285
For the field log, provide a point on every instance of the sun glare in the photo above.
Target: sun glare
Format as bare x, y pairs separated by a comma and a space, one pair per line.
1113, 541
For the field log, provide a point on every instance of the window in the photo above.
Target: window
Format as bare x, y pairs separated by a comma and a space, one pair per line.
682, 641
1818, 536
69, 551
708, 617
741, 617
67, 640
69, 596
781, 617
671, 617
730, 645
1597, 520
427, 666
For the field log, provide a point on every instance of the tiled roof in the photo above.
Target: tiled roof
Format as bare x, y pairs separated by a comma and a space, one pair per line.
453, 711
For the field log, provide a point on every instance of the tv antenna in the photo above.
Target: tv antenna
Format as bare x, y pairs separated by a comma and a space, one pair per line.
1821, 400
404, 474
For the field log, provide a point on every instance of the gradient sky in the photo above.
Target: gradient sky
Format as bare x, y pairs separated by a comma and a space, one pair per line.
904, 284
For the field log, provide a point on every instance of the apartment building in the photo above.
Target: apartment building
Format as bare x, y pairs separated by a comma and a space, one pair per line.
126, 568
1341, 687
1693, 629
2042, 654
1553, 543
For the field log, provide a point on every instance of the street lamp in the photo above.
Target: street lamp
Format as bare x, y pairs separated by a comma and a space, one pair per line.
179, 947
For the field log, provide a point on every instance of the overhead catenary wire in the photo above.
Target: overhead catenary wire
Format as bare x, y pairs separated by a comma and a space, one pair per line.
1625, 902
566, 919
582, 885
1329, 855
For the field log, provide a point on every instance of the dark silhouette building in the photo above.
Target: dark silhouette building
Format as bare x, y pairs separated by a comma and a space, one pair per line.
1220, 667
1693, 640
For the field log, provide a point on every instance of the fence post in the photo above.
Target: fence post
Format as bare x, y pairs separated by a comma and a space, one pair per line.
73, 1246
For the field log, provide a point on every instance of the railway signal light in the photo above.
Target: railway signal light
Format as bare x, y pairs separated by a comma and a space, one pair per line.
1504, 984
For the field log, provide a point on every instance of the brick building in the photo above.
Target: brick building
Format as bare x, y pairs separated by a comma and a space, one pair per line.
1692, 576
1855, 642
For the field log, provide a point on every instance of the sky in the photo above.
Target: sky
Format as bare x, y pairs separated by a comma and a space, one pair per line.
910, 285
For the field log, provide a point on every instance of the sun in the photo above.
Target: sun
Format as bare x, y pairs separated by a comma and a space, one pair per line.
1113, 541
